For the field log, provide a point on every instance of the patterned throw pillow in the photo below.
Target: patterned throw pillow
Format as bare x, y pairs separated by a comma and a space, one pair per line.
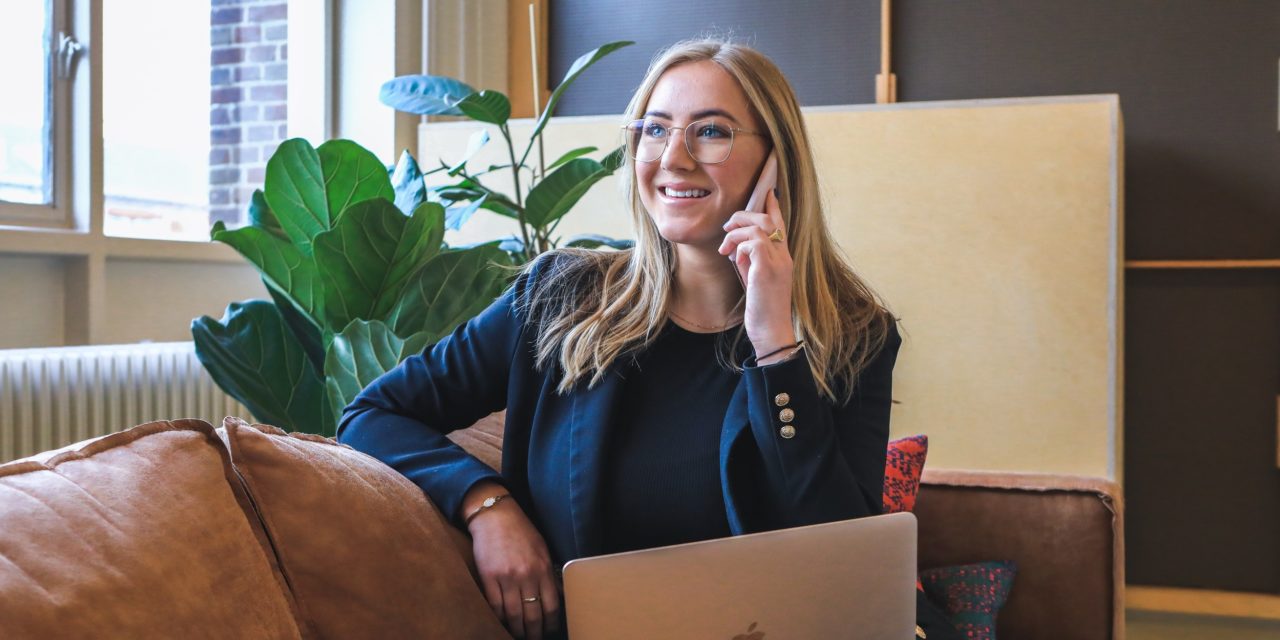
902, 469
971, 594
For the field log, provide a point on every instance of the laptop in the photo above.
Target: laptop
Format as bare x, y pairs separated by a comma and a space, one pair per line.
847, 579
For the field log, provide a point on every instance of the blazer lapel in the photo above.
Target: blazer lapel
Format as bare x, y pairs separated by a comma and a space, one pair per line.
592, 418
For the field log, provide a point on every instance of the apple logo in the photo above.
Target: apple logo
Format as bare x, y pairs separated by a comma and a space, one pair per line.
759, 635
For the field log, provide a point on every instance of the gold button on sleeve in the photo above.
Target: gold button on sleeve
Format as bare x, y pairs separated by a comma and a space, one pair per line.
786, 415
781, 399
787, 431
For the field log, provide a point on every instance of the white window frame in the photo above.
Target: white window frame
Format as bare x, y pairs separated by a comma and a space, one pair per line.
72, 232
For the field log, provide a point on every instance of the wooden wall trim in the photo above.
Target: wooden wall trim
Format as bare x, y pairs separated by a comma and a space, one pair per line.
1203, 264
1235, 604
519, 65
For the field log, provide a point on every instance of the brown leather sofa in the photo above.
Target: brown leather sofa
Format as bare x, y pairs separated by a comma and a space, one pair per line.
177, 529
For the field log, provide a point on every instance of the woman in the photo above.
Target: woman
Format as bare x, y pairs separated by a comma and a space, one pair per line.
651, 397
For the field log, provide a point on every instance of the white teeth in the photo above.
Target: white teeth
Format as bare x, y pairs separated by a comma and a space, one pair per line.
691, 193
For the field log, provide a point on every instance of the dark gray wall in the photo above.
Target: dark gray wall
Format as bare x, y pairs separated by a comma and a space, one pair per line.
1197, 81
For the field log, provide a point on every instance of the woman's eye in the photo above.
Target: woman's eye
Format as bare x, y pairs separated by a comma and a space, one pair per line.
712, 131
654, 130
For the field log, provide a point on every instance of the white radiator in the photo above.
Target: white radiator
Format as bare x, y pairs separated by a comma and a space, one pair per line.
50, 398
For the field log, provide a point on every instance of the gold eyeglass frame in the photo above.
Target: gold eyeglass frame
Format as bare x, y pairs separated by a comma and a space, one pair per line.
733, 132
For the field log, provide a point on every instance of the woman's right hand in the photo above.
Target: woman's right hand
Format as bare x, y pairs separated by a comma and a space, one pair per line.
514, 563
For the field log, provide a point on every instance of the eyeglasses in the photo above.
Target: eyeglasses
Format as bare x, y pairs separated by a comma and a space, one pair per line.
708, 141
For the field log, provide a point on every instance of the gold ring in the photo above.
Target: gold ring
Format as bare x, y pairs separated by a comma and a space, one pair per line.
776, 236
530, 599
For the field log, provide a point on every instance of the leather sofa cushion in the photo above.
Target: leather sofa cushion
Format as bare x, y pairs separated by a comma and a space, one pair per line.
364, 551
141, 533
1065, 533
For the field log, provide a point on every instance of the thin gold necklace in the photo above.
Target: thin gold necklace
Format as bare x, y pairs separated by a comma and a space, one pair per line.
700, 326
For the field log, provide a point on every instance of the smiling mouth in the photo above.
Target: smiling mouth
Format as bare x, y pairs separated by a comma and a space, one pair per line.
687, 194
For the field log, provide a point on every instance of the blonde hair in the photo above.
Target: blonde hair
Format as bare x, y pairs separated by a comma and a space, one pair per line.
599, 305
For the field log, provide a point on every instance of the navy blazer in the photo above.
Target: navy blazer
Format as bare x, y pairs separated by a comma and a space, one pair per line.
553, 446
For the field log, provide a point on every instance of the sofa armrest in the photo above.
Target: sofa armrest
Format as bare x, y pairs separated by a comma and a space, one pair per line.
1065, 533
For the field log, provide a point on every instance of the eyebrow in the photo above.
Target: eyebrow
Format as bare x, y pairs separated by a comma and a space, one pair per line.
698, 115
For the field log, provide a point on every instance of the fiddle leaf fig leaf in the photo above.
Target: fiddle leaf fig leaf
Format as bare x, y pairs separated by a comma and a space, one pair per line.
425, 95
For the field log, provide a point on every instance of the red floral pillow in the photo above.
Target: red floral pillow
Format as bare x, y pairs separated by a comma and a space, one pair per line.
902, 469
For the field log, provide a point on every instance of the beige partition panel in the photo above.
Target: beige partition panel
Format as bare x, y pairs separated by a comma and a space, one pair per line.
993, 229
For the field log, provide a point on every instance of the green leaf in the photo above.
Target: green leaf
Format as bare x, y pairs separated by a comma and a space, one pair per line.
304, 327
281, 263
253, 356
406, 181
369, 256
351, 174
260, 215
575, 70
295, 192
594, 241
486, 106
615, 159
477, 141
580, 151
361, 353
455, 217
555, 195
452, 288
424, 95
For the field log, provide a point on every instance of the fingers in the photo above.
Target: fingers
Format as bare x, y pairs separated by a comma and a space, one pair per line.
532, 612
739, 236
550, 604
514, 610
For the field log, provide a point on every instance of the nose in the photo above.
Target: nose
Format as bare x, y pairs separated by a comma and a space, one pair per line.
676, 156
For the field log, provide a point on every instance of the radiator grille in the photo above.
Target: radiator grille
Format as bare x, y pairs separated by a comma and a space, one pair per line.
50, 398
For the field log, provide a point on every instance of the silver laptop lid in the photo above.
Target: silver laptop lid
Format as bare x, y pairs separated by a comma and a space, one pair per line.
847, 579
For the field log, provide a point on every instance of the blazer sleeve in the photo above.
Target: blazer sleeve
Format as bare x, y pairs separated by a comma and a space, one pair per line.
832, 468
402, 417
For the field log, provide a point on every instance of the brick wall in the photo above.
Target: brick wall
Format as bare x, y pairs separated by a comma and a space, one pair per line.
247, 100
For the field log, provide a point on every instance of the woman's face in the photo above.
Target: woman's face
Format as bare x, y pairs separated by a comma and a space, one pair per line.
685, 93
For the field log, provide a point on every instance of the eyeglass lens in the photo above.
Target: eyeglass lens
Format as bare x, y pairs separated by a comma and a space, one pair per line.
708, 141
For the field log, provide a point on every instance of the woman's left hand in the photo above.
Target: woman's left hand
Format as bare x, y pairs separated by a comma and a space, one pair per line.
766, 267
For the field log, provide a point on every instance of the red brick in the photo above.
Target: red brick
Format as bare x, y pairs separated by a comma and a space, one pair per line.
220, 115
224, 135
219, 155
276, 71
261, 133
262, 53
248, 34
228, 175
276, 33
268, 93
219, 196
248, 73
247, 155
223, 95
226, 55
275, 112
220, 35
230, 15
270, 12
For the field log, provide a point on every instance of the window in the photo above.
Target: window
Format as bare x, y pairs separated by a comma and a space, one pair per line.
27, 39
191, 112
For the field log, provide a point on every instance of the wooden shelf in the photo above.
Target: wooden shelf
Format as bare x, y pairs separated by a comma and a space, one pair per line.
1258, 606
1202, 264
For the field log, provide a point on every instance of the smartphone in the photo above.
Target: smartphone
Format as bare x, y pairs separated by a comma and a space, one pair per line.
768, 180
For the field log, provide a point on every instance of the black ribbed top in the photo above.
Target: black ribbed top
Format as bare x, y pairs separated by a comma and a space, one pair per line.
661, 479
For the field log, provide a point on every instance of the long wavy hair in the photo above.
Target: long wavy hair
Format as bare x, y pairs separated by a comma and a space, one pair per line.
593, 307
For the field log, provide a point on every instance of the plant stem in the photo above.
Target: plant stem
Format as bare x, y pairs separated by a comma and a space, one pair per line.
515, 173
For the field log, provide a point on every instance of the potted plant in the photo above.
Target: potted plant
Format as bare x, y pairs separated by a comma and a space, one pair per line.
354, 258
